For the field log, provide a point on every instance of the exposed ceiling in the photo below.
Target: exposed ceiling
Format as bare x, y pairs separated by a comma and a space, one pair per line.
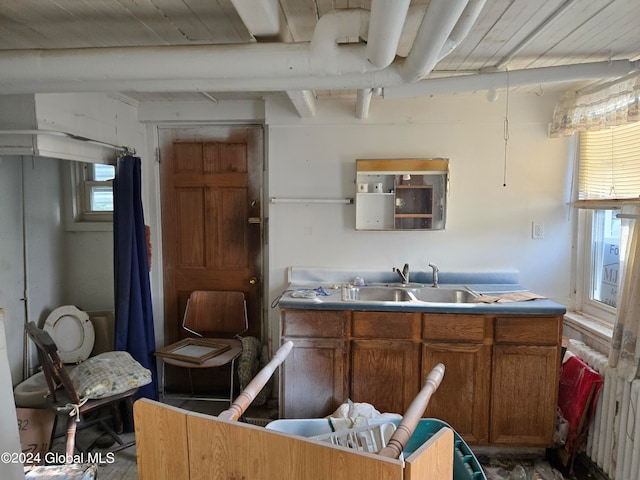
518, 36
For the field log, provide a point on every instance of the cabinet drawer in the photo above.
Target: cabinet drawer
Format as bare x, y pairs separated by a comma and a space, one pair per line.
529, 330
314, 323
386, 325
468, 328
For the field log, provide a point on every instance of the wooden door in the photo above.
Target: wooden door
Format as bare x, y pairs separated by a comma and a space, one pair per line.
210, 181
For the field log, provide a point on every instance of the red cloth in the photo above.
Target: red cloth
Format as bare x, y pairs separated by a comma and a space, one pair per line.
577, 397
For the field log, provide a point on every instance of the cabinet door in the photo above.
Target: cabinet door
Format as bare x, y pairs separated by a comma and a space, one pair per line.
312, 378
523, 394
313, 323
462, 400
384, 373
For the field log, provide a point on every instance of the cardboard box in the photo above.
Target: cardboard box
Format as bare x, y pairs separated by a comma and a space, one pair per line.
35, 427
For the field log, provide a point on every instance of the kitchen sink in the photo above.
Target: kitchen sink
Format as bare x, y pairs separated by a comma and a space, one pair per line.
394, 293
444, 295
376, 294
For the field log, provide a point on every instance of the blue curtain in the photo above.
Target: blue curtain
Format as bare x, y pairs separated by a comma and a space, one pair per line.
134, 330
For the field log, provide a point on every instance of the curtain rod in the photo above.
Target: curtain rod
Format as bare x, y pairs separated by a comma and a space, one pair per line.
310, 200
119, 148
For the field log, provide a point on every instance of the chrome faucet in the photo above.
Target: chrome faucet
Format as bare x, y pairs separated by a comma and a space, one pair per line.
404, 274
435, 274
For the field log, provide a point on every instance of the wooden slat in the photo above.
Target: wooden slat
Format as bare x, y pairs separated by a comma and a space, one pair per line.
433, 460
315, 324
229, 217
445, 327
529, 330
222, 450
403, 164
161, 441
174, 443
192, 238
386, 325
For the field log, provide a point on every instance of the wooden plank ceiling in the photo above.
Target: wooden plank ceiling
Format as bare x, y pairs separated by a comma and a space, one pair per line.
509, 34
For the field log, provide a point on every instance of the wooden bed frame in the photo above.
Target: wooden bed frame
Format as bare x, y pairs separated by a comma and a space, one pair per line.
173, 443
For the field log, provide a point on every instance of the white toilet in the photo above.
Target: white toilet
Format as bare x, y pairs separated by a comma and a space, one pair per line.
72, 331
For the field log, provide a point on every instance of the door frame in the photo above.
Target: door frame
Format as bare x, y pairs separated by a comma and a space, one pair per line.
155, 219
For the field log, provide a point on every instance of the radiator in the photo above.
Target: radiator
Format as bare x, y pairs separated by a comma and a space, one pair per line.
613, 442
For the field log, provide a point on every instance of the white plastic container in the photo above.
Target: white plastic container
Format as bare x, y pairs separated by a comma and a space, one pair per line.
305, 427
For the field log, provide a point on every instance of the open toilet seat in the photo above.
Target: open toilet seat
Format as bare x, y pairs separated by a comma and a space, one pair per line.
72, 331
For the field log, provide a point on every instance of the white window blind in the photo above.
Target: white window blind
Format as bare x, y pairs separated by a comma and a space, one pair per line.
609, 166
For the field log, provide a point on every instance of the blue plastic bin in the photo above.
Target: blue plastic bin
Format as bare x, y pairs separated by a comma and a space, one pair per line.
465, 463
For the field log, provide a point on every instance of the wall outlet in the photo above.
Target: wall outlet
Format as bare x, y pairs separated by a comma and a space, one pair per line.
537, 230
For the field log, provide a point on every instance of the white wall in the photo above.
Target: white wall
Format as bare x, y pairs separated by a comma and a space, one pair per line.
10, 438
46, 270
89, 270
11, 260
488, 225
63, 267
40, 179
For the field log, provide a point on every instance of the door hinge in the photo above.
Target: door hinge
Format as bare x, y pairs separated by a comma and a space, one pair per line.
158, 154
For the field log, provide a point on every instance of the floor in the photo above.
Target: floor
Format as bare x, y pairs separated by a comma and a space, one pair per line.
531, 466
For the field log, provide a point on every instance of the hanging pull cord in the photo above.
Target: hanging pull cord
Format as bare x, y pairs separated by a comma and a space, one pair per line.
506, 141
505, 134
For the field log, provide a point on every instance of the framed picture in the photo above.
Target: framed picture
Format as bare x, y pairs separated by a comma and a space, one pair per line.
195, 350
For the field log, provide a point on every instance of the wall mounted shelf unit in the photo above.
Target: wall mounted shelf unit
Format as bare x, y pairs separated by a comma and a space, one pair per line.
401, 194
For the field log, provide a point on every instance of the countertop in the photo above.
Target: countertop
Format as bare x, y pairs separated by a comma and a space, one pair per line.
479, 283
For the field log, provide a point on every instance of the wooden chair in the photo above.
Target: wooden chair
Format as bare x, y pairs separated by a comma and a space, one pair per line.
219, 318
65, 400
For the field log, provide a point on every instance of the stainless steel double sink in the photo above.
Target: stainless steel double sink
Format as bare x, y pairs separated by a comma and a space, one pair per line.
407, 293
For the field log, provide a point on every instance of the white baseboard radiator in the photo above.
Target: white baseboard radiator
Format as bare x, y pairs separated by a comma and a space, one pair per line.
613, 442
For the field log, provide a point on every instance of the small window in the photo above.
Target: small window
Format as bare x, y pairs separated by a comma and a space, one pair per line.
608, 178
94, 192
605, 253
99, 188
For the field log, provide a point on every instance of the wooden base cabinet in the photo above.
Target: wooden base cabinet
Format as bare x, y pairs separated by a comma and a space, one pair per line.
463, 396
501, 380
384, 359
313, 378
526, 369
501, 372
460, 343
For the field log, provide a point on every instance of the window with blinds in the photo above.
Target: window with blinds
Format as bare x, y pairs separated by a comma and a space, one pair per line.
609, 164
